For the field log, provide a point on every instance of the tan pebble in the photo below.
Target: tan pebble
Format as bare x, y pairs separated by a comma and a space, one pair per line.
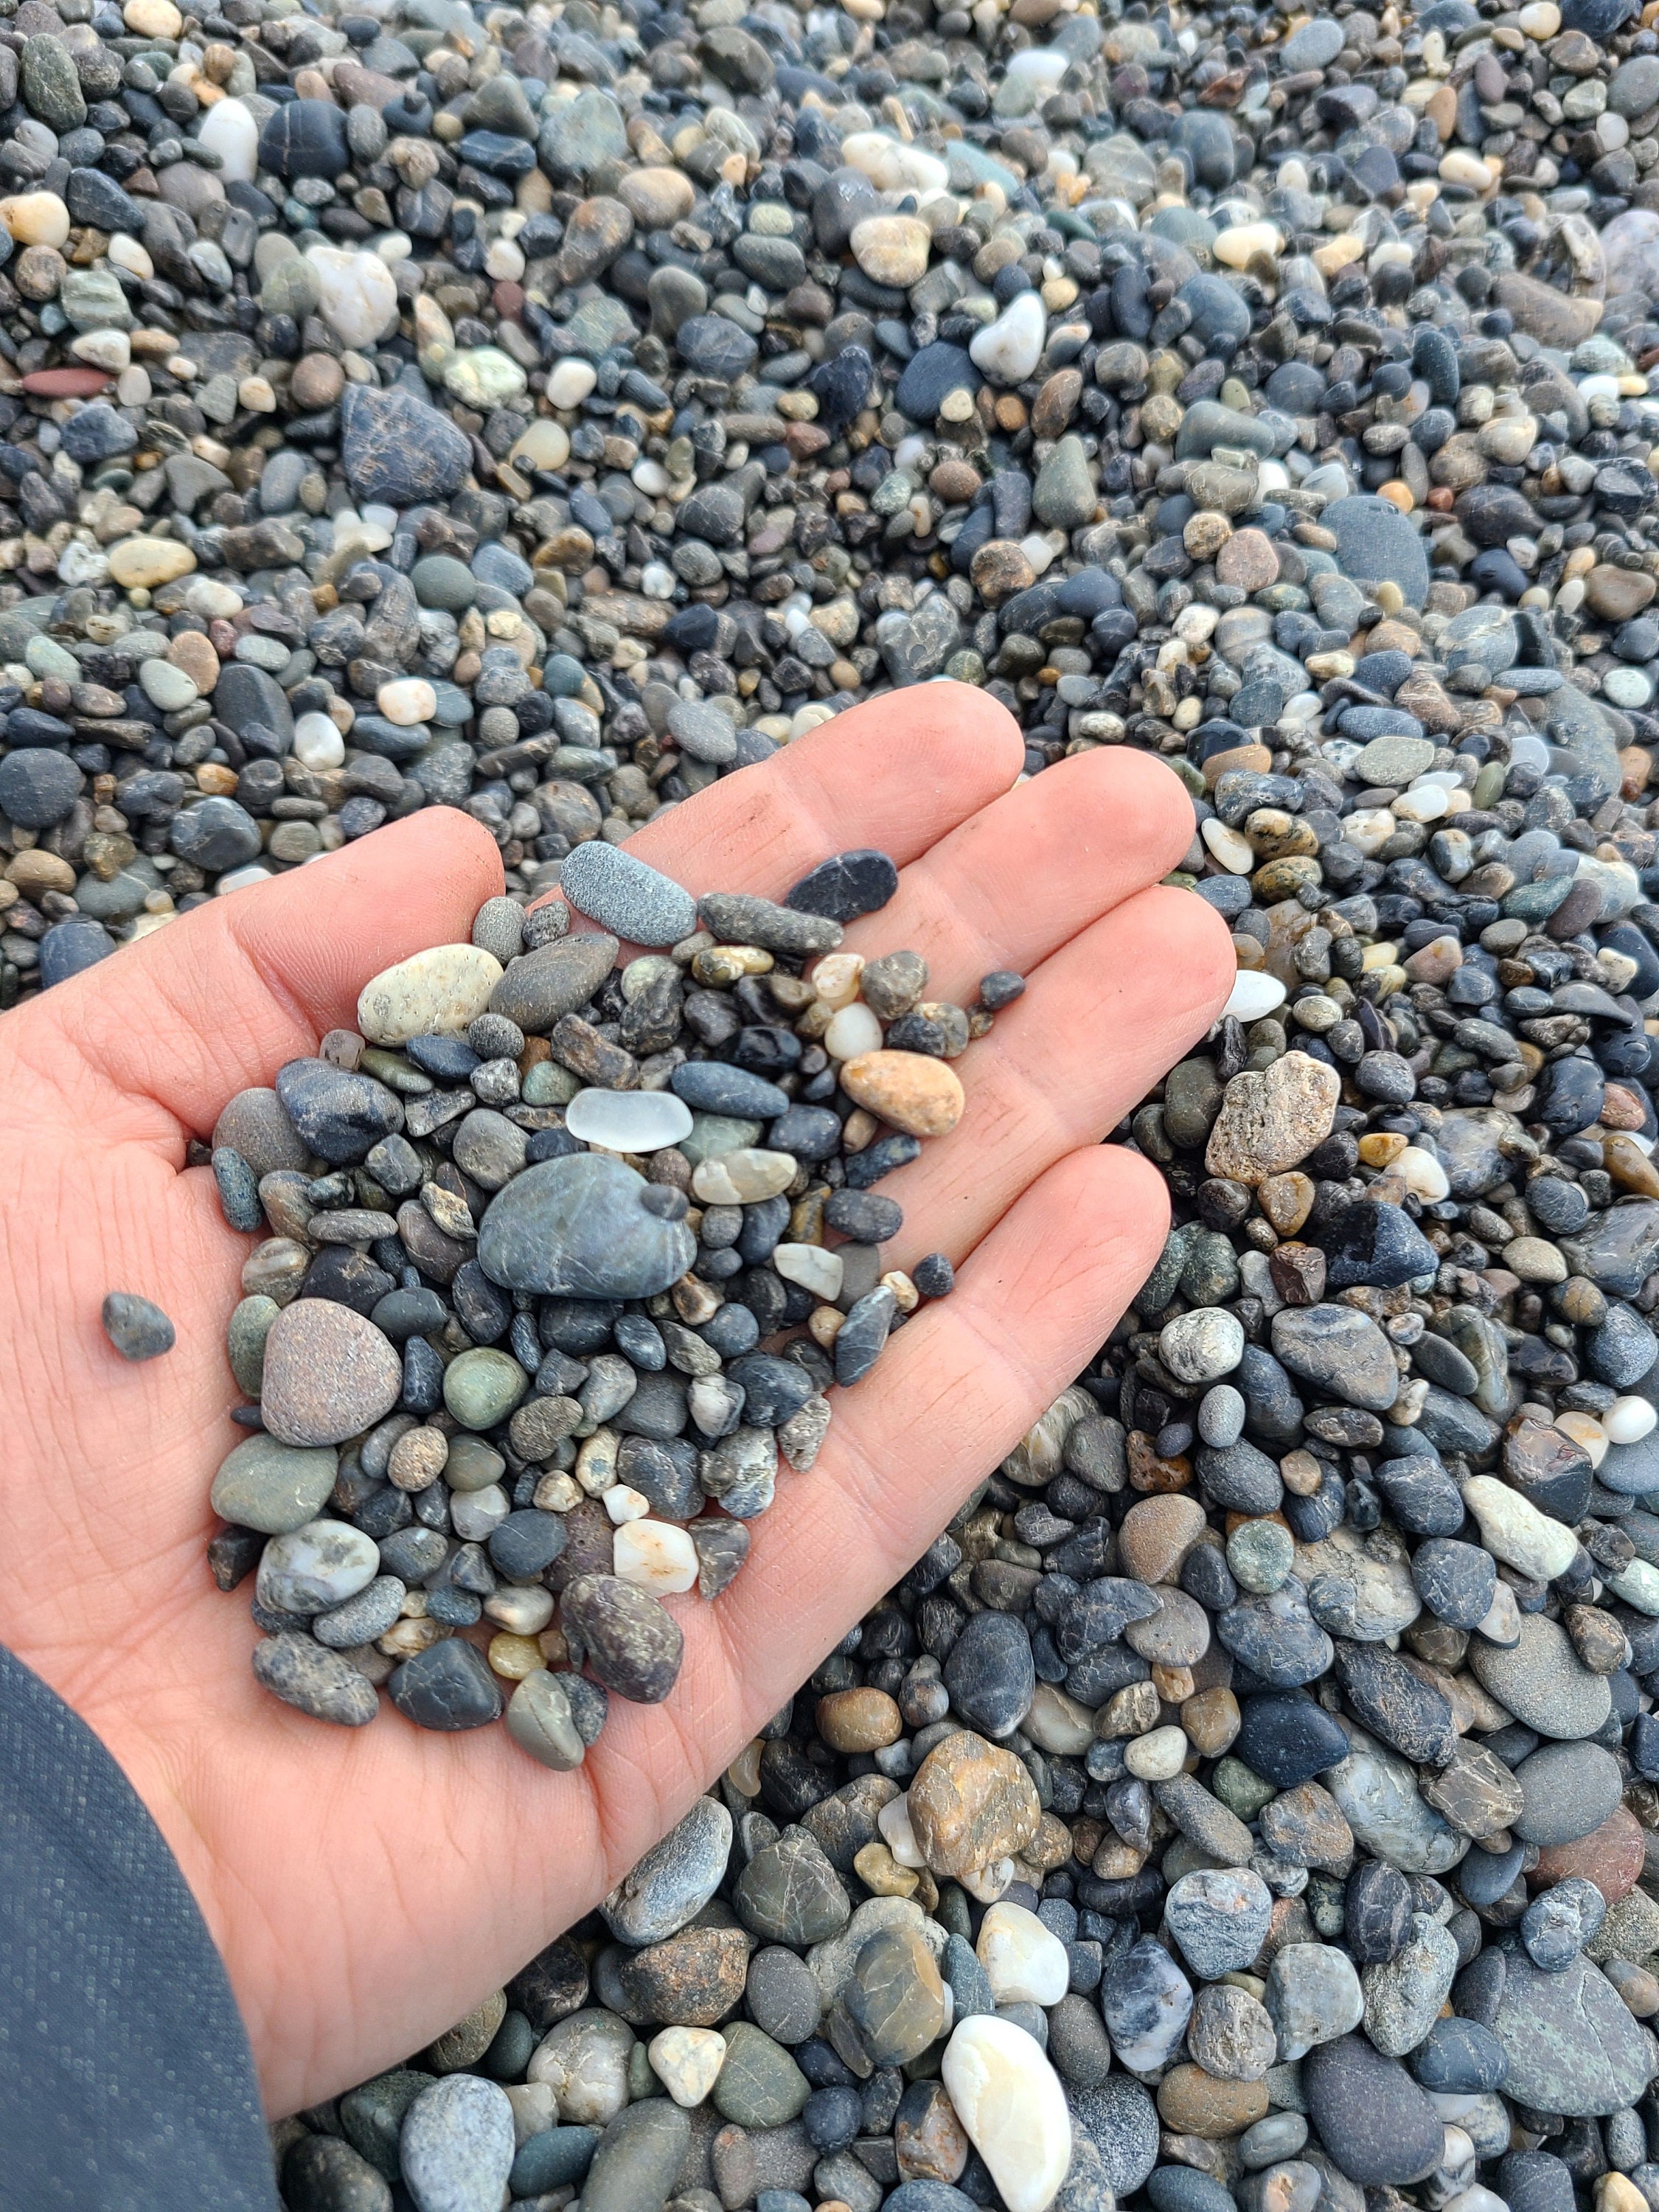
142, 563
1156, 1536
878, 1870
859, 1720
909, 1091
515, 1657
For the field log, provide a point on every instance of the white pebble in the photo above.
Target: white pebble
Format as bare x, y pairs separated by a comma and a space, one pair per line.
229, 131
1584, 1429
570, 383
686, 2061
813, 1267
1158, 1755
1229, 849
1423, 1174
1627, 1421
628, 1120
623, 1502
654, 1555
317, 743
854, 1030
1009, 2098
1254, 993
900, 1837
406, 701
1025, 1962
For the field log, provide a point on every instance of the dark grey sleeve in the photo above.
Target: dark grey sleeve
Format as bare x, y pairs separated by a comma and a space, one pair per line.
126, 2083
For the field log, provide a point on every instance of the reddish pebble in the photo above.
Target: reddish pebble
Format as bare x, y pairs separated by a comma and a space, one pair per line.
1610, 1856
65, 383
509, 300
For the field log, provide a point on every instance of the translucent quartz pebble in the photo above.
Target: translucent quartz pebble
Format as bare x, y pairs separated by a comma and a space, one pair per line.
628, 1120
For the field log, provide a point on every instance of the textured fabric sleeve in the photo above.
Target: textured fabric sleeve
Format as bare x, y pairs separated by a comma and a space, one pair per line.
126, 2083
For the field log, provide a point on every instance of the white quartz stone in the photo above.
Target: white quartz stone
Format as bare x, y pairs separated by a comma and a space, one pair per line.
1009, 2098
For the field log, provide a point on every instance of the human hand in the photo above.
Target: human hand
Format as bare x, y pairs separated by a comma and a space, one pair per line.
368, 1887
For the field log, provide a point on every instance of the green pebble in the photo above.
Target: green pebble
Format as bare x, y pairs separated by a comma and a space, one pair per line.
472, 1464
548, 1083
483, 1386
273, 1487
245, 1342
1241, 1788
1260, 1553
759, 2086
714, 1133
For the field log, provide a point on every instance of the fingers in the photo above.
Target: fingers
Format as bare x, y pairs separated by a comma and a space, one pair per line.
1018, 879
954, 1392
220, 999
1097, 1026
898, 773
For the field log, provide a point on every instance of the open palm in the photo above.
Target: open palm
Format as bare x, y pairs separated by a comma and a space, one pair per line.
367, 1888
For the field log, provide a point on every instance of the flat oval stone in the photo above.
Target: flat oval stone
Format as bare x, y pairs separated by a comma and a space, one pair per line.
618, 891
639, 2158
329, 1374
1373, 2119
551, 981
1541, 1681
586, 1227
271, 1487
909, 1091
675, 1879
438, 991
1569, 2037
628, 1120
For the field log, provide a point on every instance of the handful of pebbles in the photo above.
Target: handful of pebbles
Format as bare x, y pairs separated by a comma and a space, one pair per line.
542, 1234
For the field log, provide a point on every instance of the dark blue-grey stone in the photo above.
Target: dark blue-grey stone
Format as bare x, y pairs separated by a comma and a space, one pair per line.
1378, 1245
1374, 543
38, 786
1221, 320
245, 695
98, 434
845, 886
553, 2160
214, 835
1421, 1495
306, 138
1184, 2189
712, 346
1434, 357
990, 1672
1276, 1637
586, 1227
337, 1114
396, 450
1377, 1911
933, 372
448, 1686
1622, 1351
1460, 2058
1455, 1581
1289, 1740
1536, 2181
1120, 2118
138, 1328
1372, 2118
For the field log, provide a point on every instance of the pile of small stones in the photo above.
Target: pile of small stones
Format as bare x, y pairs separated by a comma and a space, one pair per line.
531, 1232
1251, 1801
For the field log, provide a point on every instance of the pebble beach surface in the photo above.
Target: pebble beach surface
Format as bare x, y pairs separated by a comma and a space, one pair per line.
1248, 1804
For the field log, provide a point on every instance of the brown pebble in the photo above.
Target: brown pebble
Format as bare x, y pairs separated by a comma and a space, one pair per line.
1195, 2103
860, 1720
